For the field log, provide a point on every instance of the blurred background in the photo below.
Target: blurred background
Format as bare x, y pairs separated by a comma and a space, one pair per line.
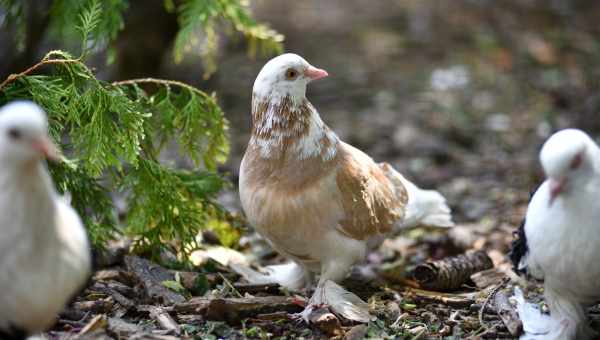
458, 95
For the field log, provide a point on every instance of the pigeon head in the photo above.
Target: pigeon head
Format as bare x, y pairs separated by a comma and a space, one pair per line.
567, 160
286, 76
24, 134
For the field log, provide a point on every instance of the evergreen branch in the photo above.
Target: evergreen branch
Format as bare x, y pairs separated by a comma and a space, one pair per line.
164, 82
89, 20
201, 16
192, 117
93, 22
114, 132
45, 61
112, 129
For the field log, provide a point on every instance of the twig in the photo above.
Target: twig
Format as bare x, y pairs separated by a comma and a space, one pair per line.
487, 300
453, 300
45, 61
230, 285
161, 82
508, 314
165, 320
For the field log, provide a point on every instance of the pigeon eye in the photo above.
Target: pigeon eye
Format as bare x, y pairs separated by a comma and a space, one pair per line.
14, 133
576, 162
291, 74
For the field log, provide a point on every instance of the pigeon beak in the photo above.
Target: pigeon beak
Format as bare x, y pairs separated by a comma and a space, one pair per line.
314, 73
556, 187
47, 149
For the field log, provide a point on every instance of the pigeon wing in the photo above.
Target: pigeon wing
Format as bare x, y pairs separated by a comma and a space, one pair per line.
371, 202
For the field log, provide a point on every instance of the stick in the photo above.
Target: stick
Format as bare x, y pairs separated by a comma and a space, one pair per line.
508, 314
165, 320
233, 310
482, 309
453, 300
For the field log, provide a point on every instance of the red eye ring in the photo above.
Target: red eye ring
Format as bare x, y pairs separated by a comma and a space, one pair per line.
576, 162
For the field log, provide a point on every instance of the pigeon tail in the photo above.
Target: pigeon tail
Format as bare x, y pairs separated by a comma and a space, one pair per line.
567, 320
519, 249
570, 314
431, 210
424, 208
289, 275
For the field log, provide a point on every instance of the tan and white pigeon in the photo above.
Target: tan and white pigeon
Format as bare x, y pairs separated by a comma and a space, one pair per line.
44, 250
560, 237
319, 201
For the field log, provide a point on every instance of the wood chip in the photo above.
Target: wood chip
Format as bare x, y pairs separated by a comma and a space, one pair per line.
487, 278
100, 306
152, 277
453, 300
115, 275
99, 322
508, 313
326, 321
272, 316
234, 309
165, 320
121, 328
269, 288
110, 290
356, 333
149, 336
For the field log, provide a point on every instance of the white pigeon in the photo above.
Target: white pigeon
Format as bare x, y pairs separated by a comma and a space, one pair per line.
45, 256
560, 238
319, 201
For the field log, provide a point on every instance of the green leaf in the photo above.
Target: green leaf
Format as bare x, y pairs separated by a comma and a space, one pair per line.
201, 285
89, 20
197, 21
175, 286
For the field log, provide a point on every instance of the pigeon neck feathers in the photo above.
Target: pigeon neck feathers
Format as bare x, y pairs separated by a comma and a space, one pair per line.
20, 184
32, 174
285, 125
292, 128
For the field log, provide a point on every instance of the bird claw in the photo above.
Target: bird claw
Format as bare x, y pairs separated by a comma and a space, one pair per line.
304, 316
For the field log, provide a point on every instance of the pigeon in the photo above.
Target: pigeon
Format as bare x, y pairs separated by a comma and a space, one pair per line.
318, 201
44, 251
560, 237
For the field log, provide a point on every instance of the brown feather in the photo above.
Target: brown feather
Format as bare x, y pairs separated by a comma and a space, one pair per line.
372, 203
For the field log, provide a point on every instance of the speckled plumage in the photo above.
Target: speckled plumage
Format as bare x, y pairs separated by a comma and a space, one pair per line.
318, 200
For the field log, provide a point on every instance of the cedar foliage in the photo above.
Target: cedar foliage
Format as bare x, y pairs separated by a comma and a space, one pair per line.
113, 133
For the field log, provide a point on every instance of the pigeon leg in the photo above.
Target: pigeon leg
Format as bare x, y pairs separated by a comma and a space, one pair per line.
338, 300
331, 270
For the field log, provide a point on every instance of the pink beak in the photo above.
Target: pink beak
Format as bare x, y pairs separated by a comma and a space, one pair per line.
47, 148
314, 73
556, 187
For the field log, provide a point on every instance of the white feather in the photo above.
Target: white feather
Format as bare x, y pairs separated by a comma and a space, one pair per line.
44, 251
289, 275
311, 144
424, 207
340, 301
563, 235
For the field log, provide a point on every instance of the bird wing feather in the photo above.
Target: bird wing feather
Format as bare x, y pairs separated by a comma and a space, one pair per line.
371, 202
